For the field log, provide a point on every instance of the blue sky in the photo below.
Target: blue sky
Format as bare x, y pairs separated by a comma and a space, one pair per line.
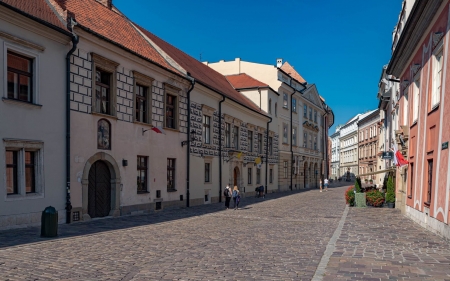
340, 46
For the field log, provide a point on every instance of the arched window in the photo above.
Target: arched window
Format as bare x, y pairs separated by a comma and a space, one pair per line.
103, 134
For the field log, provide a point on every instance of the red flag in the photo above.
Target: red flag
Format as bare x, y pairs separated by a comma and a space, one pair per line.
398, 157
159, 130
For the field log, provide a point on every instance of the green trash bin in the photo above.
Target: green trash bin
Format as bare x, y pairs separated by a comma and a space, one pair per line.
49, 222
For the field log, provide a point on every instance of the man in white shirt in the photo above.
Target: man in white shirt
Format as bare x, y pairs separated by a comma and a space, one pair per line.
325, 183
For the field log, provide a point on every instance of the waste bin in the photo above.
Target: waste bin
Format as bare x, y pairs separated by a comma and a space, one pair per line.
49, 222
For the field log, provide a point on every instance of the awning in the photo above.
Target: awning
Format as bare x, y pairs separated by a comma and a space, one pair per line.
392, 169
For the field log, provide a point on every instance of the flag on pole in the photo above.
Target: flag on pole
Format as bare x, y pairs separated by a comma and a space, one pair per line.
158, 130
399, 160
239, 155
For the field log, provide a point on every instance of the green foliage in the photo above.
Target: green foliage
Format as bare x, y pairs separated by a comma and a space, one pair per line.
358, 185
375, 198
390, 193
350, 196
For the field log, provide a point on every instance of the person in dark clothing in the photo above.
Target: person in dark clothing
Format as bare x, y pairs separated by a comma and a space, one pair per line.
227, 194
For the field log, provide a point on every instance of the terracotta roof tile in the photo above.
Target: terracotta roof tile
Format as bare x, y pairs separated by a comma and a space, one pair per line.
242, 80
37, 8
202, 72
108, 23
286, 67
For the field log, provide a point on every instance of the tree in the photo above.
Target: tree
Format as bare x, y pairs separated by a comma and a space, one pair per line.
358, 185
390, 193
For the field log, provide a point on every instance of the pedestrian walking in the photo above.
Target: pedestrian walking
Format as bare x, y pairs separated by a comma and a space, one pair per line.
261, 191
320, 184
236, 197
227, 194
325, 182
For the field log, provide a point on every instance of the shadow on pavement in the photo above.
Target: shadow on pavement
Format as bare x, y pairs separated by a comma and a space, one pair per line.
23, 236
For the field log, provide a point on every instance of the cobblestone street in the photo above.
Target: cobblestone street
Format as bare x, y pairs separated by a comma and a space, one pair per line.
304, 235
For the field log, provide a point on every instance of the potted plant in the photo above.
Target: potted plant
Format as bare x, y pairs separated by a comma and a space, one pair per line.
360, 197
390, 193
366, 180
350, 196
371, 181
375, 198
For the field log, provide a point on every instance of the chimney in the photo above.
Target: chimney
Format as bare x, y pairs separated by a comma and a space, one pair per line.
106, 3
279, 62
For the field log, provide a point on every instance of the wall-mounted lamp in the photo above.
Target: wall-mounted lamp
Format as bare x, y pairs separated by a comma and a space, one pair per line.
191, 138
124, 162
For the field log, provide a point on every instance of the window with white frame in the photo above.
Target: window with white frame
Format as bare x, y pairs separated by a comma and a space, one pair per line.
19, 77
143, 98
416, 100
437, 77
105, 97
206, 129
24, 168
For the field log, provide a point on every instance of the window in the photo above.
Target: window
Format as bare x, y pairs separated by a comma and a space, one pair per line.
11, 172
294, 105
305, 111
310, 142
227, 134
315, 143
305, 139
207, 172
270, 175
249, 176
20, 77
206, 129
315, 116
24, 168
236, 137
270, 106
285, 169
142, 104
310, 113
430, 181
285, 133
366, 134
294, 136
270, 146
260, 148
437, 78
276, 109
285, 100
171, 174
171, 102
142, 174
250, 141
104, 100
416, 100
258, 176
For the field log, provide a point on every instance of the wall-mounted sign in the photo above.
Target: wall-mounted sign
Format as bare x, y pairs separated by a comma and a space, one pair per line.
387, 155
445, 145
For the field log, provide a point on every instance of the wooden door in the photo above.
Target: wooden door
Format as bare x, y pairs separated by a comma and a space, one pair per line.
99, 191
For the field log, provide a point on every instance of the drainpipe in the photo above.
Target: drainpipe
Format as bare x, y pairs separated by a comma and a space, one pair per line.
220, 148
292, 152
259, 91
267, 150
75, 40
188, 158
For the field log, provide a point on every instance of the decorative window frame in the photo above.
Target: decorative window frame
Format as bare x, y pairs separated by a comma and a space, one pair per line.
250, 143
174, 91
21, 146
208, 111
416, 97
110, 66
438, 50
33, 54
146, 81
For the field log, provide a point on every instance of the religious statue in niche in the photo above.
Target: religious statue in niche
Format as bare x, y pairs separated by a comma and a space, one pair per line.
103, 134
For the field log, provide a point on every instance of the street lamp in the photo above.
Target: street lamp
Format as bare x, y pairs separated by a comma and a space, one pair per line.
192, 138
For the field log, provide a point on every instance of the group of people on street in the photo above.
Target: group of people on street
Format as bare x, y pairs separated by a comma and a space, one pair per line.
324, 184
235, 194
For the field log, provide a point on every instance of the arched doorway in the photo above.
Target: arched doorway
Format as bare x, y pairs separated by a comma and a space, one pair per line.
236, 176
99, 190
305, 174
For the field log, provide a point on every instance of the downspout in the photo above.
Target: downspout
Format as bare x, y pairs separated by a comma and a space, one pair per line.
75, 40
220, 148
267, 151
292, 152
188, 157
259, 91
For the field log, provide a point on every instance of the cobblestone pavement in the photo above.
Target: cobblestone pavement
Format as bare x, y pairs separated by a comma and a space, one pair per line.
281, 237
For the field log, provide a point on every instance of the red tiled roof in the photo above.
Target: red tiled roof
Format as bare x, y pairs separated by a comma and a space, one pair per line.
37, 8
113, 26
286, 67
201, 72
242, 80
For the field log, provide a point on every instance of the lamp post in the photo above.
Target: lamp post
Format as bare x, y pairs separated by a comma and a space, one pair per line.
191, 138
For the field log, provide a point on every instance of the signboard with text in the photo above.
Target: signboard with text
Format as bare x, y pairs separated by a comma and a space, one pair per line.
387, 155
